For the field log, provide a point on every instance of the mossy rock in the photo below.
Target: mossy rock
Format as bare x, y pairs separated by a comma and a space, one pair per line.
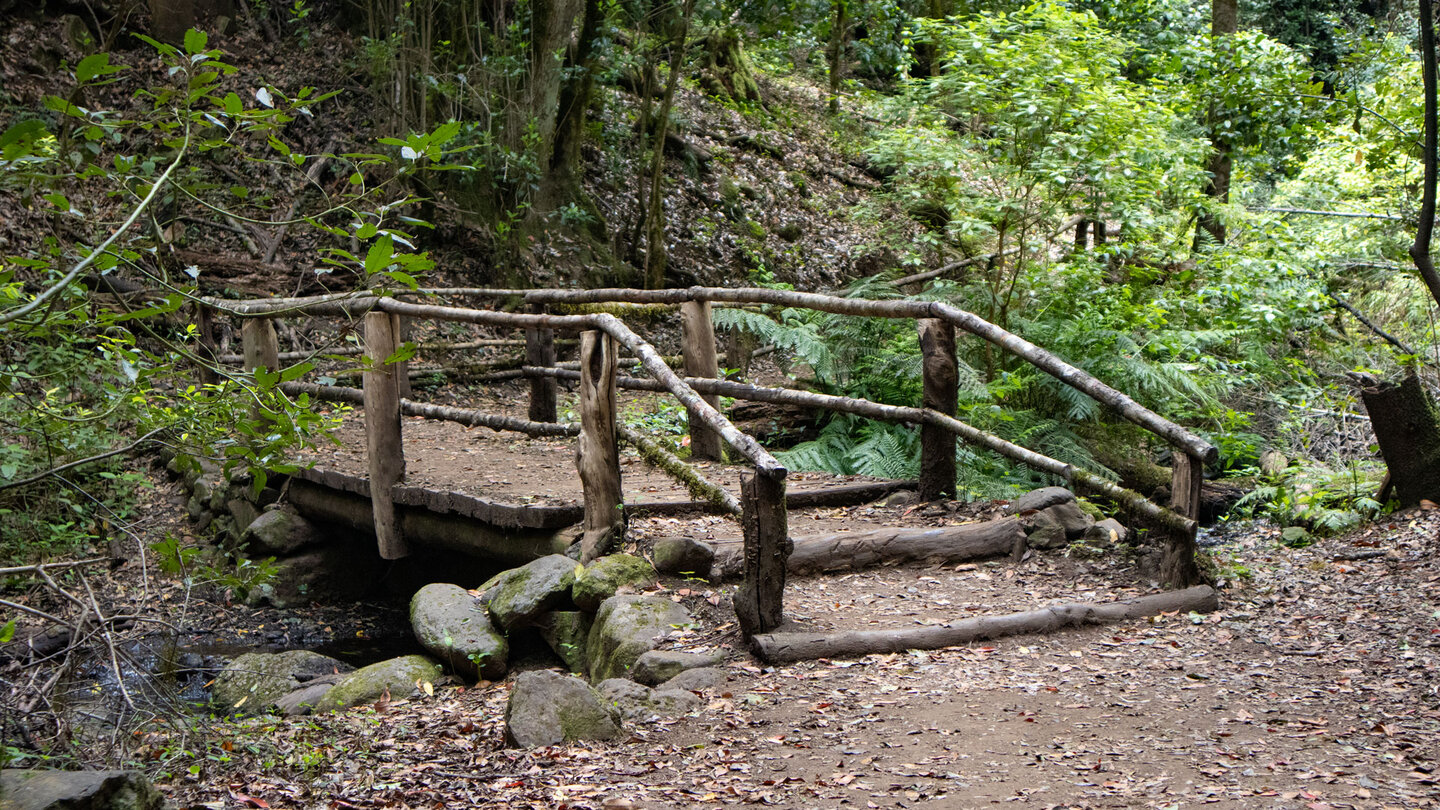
626, 628
398, 676
567, 632
535, 588
603, 578
547, 708
454, 627
252, 683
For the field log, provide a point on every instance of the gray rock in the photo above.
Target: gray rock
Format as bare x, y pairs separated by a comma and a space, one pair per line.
77, 790
703, 679
684, 556
1046, 535
397, 677
454, 627
904, 497
304, 700
1070, 517
1055, 526
281, 532
1042, 498
243, 511
606, 576
638, 703
626, 628
539, 587
252, 683
567, 632
1107, 533
547, 708
656, 667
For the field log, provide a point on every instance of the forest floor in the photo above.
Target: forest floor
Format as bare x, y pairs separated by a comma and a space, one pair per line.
1317, 684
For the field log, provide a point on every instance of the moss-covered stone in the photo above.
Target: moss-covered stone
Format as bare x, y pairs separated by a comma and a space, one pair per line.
536, 588
91, 790
547, 708
603, 578
398, 676
567, 632
252, 683
454, 627
626, 628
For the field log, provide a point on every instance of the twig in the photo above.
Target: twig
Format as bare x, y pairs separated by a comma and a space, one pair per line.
33, 569
312, 175
1360, 316
80, 463
1341, 214
110, 644
36, 612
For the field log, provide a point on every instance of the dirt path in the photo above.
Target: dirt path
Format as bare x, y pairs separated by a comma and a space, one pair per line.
1315, 686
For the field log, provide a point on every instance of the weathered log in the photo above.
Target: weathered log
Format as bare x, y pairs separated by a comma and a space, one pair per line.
672, 465
1177, 566
540, 351
384, 448
853, 551
785, 648
698, 338
941, 395
351, 351
759, 601
1407, 428
261, 348
597, 457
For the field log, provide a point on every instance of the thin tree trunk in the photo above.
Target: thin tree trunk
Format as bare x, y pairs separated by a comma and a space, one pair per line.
655, 251
1224, 23
839, 34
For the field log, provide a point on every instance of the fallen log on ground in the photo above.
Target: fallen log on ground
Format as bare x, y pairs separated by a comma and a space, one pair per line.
786, 648
849, 551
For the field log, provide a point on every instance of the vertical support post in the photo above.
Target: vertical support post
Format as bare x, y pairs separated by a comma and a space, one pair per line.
760, 601
739, 347
209, 356
1082, 235
598, 457
1099, 226
941, 393
401, 325
259, 344
1178, 564
697, 331
384, 450
540, 352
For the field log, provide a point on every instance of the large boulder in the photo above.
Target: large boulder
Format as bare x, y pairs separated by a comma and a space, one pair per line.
638, 703
280, 533
398, 677
704, 679
658, 666
603, 578
627, 627
254, 682
547, 708
683, 556
77, 790
534, 588
454, 627
567, 632
1055, 526
1042, 498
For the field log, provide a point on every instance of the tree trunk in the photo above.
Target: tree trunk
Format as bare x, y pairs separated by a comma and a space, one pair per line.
598, 459
787, 648
655, 250
852, 551
941, 394
839, 34
562, 182
1224, 23
759, 603
1407, 427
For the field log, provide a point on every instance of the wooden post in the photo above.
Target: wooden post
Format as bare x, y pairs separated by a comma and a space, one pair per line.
739, 346
402, 369
384, 449
698, 338
540, 351
941, 393
259, 344
598, 457
206, 351
1082, 235
760, 600
1178, 565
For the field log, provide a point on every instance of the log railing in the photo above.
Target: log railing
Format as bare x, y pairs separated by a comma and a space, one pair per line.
603, 334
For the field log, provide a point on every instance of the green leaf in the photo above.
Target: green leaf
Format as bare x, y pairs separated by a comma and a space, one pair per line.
7, 632
195, 40
19, 140
96, 64
295, 372
233, 105
380, 256
58, 200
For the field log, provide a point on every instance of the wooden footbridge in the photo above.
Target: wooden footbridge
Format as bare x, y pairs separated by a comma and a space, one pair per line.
762, 500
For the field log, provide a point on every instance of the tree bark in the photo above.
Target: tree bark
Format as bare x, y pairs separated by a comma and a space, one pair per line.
1224, 23
941, 395
540, 351
259, 344
656, 255
384, 449
1407, 428
1420, 249
759, 602
1178, 566
787, 648
597, 458
698, 336
853, 551
839, 34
